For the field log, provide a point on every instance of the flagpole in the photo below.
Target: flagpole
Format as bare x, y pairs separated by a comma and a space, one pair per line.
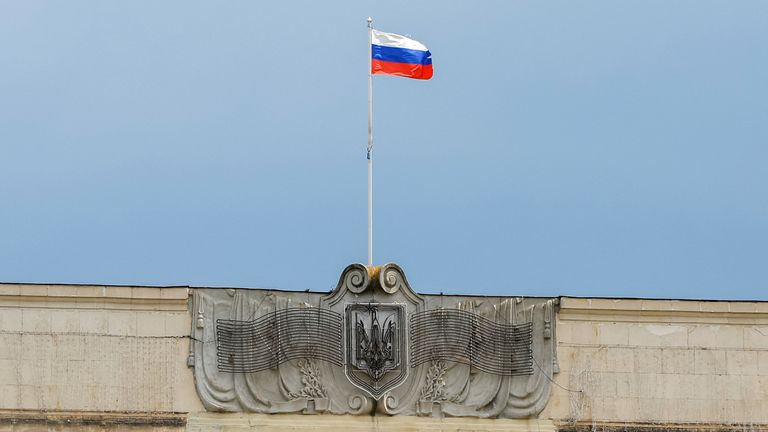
370, 144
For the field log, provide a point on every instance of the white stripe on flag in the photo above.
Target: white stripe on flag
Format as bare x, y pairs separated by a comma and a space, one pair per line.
396, 41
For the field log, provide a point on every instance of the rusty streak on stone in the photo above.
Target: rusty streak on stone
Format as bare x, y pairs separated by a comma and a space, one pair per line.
94, 418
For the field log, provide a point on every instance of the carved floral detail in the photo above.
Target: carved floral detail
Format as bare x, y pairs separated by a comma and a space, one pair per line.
434, 386
310, 377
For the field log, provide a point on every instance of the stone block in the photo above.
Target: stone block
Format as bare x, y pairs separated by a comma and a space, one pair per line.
564, 330
764, 411
674, 411
174, 293
10, 346
754, 387
696, 386
647, 360
34, 372
684, 305
620, 359
90, 291
145, 293
741, 362
585, 359
762, 363
716, 336
627, 409
121, 323
655, 305
151, 324
69, 347
626, 385
10, 320
753, 412
9, 373
742, 307
62, 290
30, 397
613, 333
645, 386
10, 289
715, 306
34, 290
583, 333
605, 384
726, 387
649, 410
9, 396
575, 303
658, 335
671, 388
599, 407
65, 321
36, 320
677, 361
36, 346
619, 304
118, 292
598, 361
709, 362
177, 324
756, 337
93, 321
565, 356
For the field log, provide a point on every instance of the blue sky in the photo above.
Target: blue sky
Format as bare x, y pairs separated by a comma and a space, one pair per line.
593, 148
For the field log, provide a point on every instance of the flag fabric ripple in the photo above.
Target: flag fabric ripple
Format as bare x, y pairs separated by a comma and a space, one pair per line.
393, 54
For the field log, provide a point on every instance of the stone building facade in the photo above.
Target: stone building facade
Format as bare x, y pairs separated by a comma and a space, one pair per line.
83, 357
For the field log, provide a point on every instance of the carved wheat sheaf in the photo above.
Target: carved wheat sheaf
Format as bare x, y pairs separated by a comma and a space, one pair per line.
463, 337
277, 337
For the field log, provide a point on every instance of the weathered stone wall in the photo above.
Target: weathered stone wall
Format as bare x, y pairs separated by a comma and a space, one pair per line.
94, 349
111, 358
662, 362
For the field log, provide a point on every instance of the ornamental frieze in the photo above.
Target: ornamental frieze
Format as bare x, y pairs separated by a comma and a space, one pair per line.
372, 345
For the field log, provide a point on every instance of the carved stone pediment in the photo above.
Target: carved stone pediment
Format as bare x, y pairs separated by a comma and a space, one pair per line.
372, 345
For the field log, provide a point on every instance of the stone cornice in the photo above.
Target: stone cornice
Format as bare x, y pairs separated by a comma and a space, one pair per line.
663, 311
94, 297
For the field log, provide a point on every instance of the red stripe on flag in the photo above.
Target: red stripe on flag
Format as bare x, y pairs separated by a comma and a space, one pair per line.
417, 71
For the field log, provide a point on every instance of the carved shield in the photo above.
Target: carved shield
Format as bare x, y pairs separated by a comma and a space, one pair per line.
375, 346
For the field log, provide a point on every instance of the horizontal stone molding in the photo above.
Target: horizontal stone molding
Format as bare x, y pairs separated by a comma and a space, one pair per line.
199, 422
94, 297
663, 311
592, 426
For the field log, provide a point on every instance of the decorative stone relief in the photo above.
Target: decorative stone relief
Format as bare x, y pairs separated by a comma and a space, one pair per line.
313, 387
372, 345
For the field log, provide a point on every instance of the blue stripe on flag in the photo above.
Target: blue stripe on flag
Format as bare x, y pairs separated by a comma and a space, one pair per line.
400, 55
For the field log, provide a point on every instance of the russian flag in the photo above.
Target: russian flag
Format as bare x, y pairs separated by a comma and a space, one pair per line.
393, 54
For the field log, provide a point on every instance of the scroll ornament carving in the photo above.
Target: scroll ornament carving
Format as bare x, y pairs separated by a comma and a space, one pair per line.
352, 351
